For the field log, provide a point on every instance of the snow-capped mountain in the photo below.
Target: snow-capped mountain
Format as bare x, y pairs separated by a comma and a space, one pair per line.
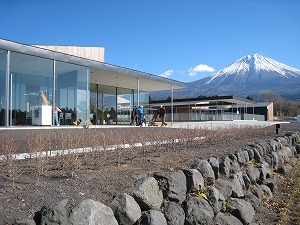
255, 68
248, 76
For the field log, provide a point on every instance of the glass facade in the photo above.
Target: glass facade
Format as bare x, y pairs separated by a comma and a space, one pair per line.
110, 105
29, 82
72, 91
29, 76
3, 57
125, 103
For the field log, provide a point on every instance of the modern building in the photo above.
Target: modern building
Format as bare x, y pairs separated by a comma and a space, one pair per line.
214, 108
75, 79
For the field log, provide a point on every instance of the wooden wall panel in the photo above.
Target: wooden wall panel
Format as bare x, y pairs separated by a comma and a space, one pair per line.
93, 53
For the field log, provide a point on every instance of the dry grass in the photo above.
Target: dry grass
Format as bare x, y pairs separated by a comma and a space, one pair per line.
290, 205
97, 147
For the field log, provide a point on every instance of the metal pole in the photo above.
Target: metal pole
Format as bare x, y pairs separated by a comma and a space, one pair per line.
116, 105
11, 104
171, 105
88, 110
54, 91
97, 105
138, 91
7, 89
253, 110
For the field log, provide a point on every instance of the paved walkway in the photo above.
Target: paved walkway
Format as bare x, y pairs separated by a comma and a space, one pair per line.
189, 125
226, 124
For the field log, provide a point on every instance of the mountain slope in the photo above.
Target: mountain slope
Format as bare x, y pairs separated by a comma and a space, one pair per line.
248, 76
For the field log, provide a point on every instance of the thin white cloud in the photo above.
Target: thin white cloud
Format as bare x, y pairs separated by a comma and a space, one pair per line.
199, 69
166, 74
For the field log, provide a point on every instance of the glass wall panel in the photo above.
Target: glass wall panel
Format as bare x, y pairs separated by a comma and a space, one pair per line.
3, 91
72, 91
124, 105
109, 105
96, 104
144, 101
29, 75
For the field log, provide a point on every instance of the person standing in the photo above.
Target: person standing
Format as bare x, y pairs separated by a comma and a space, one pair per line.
133, 116
56, 116
162, 115
140, 113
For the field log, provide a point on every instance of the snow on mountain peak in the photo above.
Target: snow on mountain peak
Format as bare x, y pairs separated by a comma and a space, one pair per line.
254, 64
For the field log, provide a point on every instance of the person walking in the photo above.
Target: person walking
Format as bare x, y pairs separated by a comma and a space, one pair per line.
56, 115
162, 115
140, 113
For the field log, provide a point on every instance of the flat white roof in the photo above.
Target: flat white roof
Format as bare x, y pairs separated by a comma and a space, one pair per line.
101, 73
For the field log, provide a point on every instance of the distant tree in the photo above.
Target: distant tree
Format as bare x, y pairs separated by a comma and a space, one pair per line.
282, 106
267, 96
249, 98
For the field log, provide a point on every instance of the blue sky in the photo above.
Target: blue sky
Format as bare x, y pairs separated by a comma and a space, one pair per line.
180, 39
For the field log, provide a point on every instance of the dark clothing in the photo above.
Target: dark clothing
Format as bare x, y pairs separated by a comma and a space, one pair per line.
162, 113
133, 116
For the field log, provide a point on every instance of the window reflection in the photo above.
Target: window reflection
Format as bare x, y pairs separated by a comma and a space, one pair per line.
29, 75
3, 55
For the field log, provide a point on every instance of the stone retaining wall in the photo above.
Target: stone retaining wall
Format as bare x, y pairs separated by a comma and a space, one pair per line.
218, 190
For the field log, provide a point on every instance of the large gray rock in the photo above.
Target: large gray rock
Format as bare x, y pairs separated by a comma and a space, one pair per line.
215, 199
225, 165
204, 168
272, 182
194, 180
147, 193
226, 219
214, 162
242, 157
126, 209
275, 160
90, 212
297, 147
242, 209
267, 193
55, 214
174, 214
275, 144
198, 211
283, 155
250, 152
293, 161
224, 187
257, 156
288, 151
281, 140
257, 191
284, 169
238, 184
234, 164
269, 159
246, 179
261, 148
265, 172
251, 198
253, 174
153, 217
176, 185
25, 222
